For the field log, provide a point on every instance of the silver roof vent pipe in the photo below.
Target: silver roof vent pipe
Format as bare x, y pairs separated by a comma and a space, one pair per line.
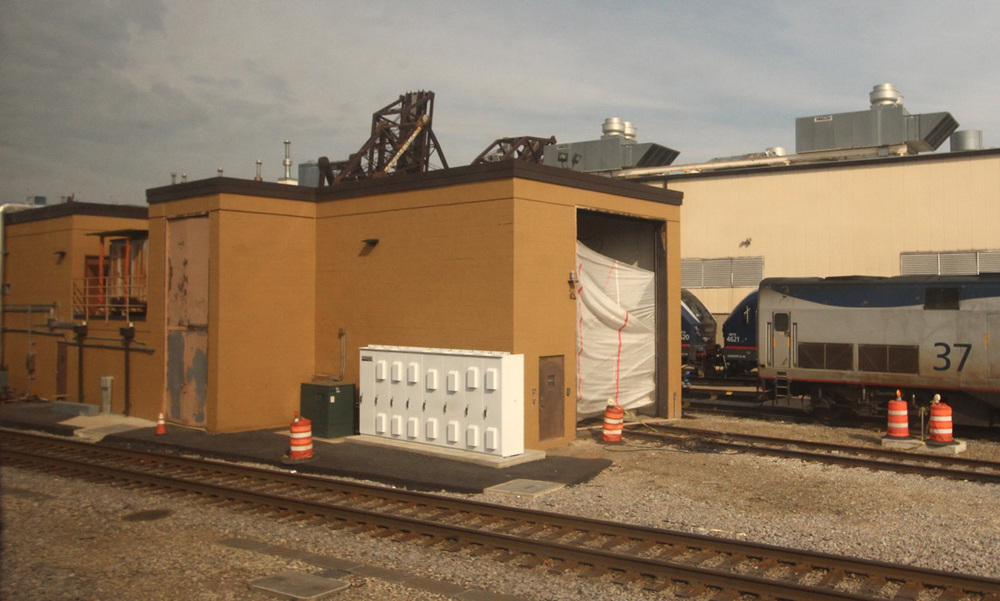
885, 94
288, 179
613, 126
970, 139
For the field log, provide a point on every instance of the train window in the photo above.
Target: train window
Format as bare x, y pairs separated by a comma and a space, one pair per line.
889, 358
781, 322
941, 298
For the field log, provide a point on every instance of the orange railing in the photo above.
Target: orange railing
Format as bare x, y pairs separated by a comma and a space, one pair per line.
109, 298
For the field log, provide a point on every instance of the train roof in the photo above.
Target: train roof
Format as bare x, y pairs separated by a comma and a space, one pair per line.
898, 280
896, 291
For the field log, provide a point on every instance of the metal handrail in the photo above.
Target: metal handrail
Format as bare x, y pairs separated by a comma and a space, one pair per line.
96, 297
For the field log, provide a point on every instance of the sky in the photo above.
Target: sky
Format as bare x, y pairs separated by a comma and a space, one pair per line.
104, 99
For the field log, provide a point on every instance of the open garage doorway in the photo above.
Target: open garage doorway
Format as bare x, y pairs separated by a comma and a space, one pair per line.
621, 314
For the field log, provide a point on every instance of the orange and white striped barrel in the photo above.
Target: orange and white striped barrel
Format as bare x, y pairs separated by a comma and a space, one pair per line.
301, 441
939, 430
899, 421
614, 416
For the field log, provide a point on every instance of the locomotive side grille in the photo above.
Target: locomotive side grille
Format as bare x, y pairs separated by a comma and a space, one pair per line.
826, 355
889, 358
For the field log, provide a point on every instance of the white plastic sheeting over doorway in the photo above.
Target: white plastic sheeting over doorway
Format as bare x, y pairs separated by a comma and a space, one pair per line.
615, 341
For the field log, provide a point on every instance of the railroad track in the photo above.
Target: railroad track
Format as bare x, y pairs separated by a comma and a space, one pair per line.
945, 466
681, 564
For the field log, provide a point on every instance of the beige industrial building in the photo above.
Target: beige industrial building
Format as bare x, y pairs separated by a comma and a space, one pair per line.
933, 213
232, 293
857, 198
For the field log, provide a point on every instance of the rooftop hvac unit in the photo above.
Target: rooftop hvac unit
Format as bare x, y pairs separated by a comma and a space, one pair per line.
616, 149
886, 123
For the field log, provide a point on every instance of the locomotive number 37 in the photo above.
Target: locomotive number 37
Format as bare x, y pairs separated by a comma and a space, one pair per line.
945, 356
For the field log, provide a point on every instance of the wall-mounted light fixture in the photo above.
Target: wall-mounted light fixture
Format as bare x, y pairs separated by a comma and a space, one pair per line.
746, 243
367, 248
60, 255
572, 284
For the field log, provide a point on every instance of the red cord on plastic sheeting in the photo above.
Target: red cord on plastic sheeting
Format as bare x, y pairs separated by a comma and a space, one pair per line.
618, 362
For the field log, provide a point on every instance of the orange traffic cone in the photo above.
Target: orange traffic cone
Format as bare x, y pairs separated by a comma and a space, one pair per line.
161, 426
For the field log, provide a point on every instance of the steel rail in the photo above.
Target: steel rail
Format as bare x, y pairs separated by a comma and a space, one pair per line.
958, 468
549, 547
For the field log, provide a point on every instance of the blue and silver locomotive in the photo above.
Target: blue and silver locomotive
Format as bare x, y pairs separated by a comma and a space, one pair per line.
853, 341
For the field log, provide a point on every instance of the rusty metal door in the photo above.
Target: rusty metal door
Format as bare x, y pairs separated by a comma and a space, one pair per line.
551, 402
62, 362
187, 319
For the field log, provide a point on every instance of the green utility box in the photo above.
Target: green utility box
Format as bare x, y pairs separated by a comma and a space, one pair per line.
330, 408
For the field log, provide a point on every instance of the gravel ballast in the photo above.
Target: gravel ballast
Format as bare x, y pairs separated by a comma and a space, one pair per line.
66, 539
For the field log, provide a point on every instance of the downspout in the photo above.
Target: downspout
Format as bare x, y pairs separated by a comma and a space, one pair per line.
4, 209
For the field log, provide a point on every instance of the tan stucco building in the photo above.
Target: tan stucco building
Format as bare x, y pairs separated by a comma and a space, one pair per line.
55, 282
257, 287
931, 213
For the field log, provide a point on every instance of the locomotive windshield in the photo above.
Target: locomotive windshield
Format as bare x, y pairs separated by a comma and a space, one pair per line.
694, 305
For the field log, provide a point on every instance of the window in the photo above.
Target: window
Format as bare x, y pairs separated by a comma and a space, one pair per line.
722, 273
941, 299
781, 322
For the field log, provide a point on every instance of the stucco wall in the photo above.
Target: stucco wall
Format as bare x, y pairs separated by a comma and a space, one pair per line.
38, 273
840, 220
261, 305
480, 266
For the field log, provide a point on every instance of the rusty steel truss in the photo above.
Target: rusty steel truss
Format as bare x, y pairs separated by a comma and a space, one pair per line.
525, 148
402, 141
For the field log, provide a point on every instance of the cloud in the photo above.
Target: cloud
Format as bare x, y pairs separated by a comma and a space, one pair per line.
105, 98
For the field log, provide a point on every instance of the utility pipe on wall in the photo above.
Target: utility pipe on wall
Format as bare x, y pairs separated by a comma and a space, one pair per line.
4, 209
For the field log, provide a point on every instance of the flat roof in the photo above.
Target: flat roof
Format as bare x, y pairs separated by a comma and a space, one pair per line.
77, 208
822, 164
417, 181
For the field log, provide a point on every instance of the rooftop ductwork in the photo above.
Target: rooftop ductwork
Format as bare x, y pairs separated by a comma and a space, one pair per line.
616, 149
886, 124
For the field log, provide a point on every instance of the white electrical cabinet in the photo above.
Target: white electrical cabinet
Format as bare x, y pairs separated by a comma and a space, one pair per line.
467, 400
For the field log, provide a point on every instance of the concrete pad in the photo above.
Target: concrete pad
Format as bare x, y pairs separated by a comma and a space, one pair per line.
947, 449
102, 420
523, 487
299, 585
457, 454
902, 444
75, 408
93, 428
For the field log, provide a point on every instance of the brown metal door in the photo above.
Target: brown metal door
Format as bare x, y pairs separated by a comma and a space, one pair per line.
551, 403
187, 320
62, 361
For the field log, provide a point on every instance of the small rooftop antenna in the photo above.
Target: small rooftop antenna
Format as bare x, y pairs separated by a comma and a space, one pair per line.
288, 167
220, 171
173, 177
258, 177
184, 177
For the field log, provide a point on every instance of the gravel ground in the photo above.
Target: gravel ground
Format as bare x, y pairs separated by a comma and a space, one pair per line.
66, 539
